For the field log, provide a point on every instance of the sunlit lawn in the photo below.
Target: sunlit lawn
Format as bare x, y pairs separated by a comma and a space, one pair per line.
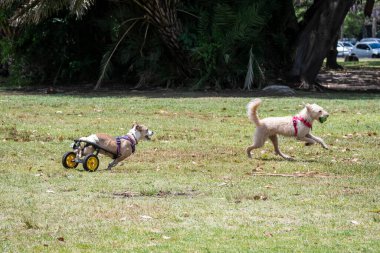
192, 188
368, 63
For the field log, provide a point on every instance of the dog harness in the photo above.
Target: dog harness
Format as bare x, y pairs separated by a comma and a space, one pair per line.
132, 140
304, 121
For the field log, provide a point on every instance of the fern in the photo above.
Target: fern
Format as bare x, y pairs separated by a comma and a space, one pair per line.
227, 32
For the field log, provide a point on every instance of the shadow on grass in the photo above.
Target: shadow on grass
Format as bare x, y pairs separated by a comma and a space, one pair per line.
180, 93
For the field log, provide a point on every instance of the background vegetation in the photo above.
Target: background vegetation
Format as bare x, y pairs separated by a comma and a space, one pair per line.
199, 44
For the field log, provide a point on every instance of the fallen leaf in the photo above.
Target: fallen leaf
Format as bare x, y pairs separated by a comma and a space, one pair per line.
61, 239
166, 237
354, 160
146, 217
257, 169
260, 197
268, 234
354, 222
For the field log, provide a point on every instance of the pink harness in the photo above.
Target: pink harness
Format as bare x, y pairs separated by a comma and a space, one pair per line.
304, 121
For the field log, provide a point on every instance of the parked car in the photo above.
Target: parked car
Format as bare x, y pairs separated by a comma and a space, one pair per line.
366, 49
344, 48
350, 40
376, 40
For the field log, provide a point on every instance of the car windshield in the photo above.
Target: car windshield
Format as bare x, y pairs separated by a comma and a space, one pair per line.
374, 45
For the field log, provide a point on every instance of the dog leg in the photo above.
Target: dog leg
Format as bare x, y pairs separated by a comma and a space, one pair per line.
115, 162
274, 140
317, 139
88, 150
258, 142
309, 142
112, 164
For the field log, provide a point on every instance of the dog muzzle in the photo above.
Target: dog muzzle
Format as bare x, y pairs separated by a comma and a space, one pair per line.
149, 135
323, 118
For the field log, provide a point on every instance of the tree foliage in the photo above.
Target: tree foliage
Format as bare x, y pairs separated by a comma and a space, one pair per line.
145, 43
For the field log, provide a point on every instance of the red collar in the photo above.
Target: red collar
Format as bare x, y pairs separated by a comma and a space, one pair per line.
304, 121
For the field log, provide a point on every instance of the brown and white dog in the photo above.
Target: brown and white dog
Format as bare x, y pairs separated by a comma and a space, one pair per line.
119, 147
298, 126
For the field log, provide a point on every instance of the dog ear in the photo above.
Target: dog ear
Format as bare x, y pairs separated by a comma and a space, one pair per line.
309, 107
137, 127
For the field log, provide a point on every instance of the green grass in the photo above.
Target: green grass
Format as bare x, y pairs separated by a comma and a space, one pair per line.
192, 188
366, 63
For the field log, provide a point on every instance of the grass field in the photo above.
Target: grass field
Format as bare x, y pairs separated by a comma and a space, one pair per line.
367, 63
192, 188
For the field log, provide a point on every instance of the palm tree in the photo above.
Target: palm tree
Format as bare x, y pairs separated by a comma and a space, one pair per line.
161, 14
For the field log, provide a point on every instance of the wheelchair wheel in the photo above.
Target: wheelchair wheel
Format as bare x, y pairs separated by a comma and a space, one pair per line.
68, 160
91, 163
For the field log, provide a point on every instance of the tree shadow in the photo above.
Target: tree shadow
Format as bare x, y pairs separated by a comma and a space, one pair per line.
87, 92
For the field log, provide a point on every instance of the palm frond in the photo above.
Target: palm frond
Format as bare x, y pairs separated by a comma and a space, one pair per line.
108, 59
79, 7
204, 25
250, 73
36, 10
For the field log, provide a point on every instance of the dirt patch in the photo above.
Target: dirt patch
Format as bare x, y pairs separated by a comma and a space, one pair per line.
350, 79
158, 194
297, 174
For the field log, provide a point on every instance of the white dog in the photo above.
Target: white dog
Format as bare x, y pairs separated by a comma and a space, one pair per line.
298, 126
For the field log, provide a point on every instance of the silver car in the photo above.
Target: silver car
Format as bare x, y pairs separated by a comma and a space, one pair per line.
367, 49
376, 40
344, 48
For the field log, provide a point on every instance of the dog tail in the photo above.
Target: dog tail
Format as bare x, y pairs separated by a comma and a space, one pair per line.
252, 111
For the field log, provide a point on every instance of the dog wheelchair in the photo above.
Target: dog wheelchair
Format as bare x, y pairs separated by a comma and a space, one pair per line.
90, 162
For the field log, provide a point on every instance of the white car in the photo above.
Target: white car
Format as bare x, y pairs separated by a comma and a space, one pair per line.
367, 49
344, 48
376, 40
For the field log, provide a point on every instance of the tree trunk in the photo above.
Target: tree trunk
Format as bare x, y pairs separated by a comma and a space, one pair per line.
374, 26
331, 61
322, 22
368, 7
162, 14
